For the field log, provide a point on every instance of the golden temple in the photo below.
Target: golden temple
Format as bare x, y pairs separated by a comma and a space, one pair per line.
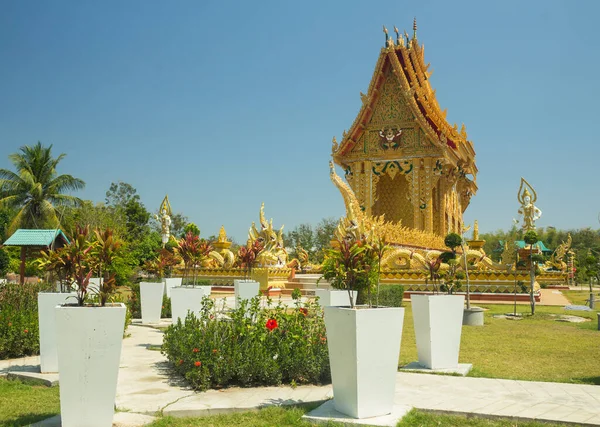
402, 159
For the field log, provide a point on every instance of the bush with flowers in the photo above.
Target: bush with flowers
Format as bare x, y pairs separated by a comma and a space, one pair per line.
255, 344
19, 325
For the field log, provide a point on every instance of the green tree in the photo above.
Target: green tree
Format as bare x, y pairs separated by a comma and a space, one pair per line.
323, 236
302, 235
35, 190
191, 228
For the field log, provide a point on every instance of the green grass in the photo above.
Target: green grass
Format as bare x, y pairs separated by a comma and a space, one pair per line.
537, 348
292, 417
22, 405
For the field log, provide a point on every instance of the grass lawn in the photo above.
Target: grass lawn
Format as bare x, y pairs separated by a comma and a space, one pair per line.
22, 405
291, 417
537, 348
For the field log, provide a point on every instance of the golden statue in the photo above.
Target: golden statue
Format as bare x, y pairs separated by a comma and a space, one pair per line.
557, 260
529, 211
273, 253
222, 257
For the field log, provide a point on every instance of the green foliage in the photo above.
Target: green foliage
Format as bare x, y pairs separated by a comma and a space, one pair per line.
19, 325
24, 405
453, 241
256, 346
4, 262
78, 260
350, 266
191, 228
315, 240
531, 237
35, 189
391, 295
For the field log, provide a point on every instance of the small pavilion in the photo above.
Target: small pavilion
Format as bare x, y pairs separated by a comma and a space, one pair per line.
39, 240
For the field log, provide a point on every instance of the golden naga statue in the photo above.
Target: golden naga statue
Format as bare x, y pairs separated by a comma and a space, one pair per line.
273, 253
222, 257
529, 211
557, 260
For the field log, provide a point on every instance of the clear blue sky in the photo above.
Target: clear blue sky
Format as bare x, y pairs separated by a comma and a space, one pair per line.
224, 105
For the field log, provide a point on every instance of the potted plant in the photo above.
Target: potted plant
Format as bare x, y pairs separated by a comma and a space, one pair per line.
89, 335
363, 341
247, 288
188, 298
438, 318
59, 264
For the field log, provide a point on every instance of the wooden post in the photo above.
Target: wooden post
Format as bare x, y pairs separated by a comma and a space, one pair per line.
22, 270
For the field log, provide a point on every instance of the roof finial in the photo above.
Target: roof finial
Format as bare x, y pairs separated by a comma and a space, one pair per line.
398, 39
386, 36
415, 28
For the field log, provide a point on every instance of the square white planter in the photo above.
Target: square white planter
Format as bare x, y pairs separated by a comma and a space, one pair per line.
334, 298
364, 346
89, 351
170, 283
95, 283
47, 302
185, 299
151, 296
438, 326
245, 289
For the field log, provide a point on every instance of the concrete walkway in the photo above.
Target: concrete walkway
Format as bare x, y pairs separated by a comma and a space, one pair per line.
553, 297
145, 387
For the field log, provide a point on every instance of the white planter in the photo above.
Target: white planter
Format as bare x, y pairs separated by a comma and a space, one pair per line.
151, 296
95, 283
185, 299
89, 350
335, 298
170, 283
438, 325
364, 346
47, 302
245, 289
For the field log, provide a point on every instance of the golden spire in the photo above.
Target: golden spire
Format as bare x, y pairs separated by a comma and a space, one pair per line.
415, 28
475, 230
386, 36
222, 235
398, 38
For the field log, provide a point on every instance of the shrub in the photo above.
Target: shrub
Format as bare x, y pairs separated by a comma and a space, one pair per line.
391, 295
19, 326
135, 307
254, 346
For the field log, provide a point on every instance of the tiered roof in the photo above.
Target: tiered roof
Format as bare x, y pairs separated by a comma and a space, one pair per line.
406, 57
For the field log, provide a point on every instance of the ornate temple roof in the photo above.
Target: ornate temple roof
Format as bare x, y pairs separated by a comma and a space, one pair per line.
406, 58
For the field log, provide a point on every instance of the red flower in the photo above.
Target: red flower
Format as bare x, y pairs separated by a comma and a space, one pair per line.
215, 351
26, 330
303, 310
195, 350
181, 361
271, 324
197, 363
323, 339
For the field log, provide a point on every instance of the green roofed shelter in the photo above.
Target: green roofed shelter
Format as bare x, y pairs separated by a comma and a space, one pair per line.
539, 245
35, 239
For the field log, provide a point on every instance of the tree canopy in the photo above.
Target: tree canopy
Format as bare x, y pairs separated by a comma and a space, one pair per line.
35, 190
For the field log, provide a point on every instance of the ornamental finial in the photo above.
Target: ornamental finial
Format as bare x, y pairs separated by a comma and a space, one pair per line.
386, 35
398, 39
415, 28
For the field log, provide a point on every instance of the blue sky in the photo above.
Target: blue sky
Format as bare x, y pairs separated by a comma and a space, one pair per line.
224, 105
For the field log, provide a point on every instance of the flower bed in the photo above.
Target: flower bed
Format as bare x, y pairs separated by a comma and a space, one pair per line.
19, 328
250, 346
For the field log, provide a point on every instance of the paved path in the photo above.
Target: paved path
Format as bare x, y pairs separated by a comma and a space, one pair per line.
553, 297
145, 387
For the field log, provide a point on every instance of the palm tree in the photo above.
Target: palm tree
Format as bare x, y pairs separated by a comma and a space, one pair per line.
35, 190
